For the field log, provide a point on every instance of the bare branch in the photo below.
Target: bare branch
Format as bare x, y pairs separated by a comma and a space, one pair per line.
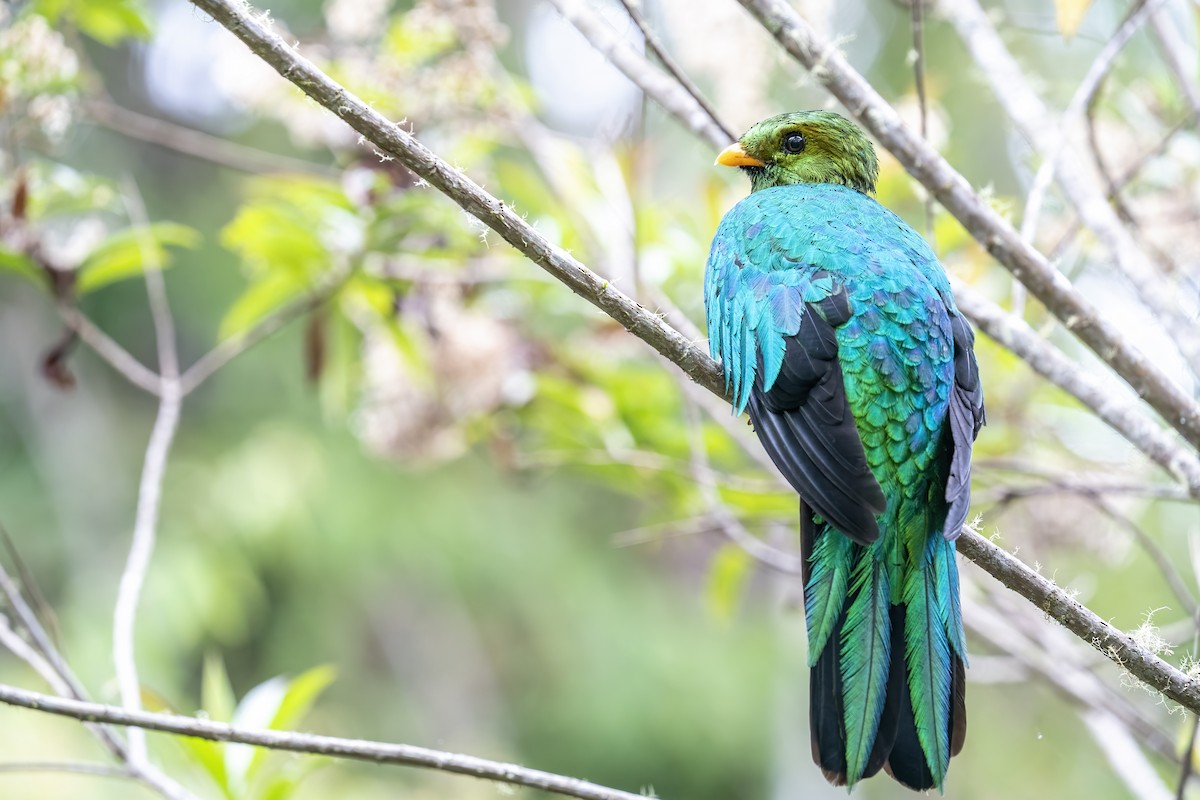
677, 348
109, 351
951, 189
1125, 757
642, 460
355, 749
45, 659
1161, 559
1178, 60
918, 59
196, 143
69, 767
234, 346
655, 46
730, 525
150, 488
1082, 99
1185, 770
657, 85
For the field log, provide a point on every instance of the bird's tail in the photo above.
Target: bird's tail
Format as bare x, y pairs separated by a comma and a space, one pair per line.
886, 656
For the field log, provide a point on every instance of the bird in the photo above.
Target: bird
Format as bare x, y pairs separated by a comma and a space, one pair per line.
837, 332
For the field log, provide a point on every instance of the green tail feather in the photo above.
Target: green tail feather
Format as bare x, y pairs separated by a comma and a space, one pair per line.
865, 655
948, 566
825, 594
927, 653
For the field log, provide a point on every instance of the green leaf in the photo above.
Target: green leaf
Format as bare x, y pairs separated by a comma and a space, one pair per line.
216, 695
726, 578
19, 264
217, 703
124, 253
293, 225
258, 301
411, 44
276, 704
106, 21
210, 756
301, 694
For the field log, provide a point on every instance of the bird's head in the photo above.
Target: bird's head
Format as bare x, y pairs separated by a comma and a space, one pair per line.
805, 147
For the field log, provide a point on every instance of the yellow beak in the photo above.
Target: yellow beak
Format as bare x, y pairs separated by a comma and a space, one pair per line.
735, 156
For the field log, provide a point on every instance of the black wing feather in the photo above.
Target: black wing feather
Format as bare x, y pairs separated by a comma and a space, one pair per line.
805, 424
967, 416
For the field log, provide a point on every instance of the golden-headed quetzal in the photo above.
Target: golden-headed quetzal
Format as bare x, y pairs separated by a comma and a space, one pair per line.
837, 331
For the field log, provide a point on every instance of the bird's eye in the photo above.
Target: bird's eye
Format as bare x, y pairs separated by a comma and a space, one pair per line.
793, 143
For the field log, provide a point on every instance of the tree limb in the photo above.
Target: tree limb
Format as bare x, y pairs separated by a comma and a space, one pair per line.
145, 530
356, 749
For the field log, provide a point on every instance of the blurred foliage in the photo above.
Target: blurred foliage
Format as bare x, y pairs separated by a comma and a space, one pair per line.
455, 483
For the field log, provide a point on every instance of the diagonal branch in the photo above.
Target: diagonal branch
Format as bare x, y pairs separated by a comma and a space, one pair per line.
604, 39
356, 749
654, 331
664, 58
197, 144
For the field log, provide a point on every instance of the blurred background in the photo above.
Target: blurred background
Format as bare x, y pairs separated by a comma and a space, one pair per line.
456, 506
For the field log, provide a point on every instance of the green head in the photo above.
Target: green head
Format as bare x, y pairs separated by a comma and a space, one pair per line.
805, 147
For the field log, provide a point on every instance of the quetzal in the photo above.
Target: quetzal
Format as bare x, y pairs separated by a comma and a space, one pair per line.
836, 328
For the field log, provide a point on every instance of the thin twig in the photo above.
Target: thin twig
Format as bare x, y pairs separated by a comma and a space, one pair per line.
45, 659
145, 529
1185, 768
108, 350
356, 749
1181, 63
67, 767
1125, 757
234, 346
729, 524
1160, 558
198, 144
918, 35
1006, 494
638, 459
662, 86
1104, 62
664, 58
